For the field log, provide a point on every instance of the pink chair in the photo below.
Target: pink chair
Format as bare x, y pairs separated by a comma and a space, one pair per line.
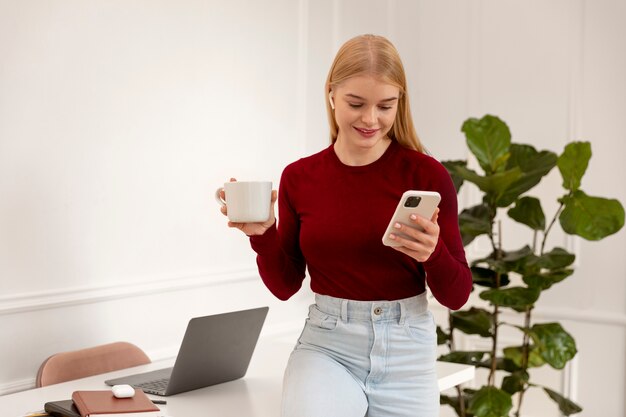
66, 366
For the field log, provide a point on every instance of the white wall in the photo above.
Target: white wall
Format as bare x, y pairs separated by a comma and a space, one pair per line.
118, 119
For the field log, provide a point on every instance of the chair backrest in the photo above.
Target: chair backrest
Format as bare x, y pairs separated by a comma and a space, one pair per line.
66, 366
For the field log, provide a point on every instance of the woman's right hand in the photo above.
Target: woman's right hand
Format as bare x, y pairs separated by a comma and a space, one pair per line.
252, 229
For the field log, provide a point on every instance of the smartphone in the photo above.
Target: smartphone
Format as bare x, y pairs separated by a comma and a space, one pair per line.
422, 203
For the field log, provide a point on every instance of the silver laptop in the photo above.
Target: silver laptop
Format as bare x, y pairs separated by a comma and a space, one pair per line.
215, 349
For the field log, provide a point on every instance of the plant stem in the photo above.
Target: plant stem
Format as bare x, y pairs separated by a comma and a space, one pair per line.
494, 345
492, 216
527, 317
496, 311
461, 401
525, 357
526, 340
451, 334
545, 234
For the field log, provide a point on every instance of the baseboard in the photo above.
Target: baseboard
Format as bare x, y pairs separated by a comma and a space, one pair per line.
20, 303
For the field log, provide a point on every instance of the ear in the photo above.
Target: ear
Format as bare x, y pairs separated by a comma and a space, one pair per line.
330, 99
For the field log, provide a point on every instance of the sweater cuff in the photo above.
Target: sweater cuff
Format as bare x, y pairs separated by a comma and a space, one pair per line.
439, 253
266, 242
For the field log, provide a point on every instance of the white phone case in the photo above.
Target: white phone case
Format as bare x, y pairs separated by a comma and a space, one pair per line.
427, 202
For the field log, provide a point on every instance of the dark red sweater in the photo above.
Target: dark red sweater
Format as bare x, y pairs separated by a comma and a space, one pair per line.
332, 218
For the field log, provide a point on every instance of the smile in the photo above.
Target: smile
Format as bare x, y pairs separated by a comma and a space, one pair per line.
368, 133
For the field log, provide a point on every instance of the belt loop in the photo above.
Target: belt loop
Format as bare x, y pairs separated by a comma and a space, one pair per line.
402, 313
344, 310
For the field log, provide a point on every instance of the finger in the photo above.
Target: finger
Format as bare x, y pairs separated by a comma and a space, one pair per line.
429, 226
418, 239
274, 196
233, 179
409, 242
236, 225
413, 232
435, 216
419, 256
224, 210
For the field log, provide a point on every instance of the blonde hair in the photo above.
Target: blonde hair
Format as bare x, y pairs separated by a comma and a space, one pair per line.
374, 56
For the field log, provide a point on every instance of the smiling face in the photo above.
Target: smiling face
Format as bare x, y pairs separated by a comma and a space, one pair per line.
365, 110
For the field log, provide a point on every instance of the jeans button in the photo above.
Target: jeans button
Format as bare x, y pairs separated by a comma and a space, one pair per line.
378, 311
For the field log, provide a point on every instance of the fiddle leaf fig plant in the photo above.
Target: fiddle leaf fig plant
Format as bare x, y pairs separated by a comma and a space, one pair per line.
513, 279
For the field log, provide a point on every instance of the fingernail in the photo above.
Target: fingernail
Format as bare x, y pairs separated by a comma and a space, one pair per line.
392, 237
413, 217
397, 225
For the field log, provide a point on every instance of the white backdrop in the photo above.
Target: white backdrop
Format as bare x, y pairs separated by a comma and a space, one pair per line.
118, 120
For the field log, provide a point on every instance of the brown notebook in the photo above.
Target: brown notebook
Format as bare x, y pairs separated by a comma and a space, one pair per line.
103, 404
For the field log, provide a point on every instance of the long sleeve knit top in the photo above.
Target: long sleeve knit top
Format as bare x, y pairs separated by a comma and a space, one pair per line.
331, 220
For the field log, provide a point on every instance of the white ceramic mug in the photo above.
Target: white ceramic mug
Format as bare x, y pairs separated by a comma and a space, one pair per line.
248, 201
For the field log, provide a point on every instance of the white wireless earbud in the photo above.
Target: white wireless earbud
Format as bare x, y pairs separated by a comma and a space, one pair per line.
330, 99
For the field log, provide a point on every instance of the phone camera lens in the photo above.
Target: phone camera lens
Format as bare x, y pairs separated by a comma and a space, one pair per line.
412, 201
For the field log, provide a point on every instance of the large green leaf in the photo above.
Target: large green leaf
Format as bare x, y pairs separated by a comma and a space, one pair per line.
489, 139
515, 382
545, 280
515, 354
474, 321
456, 179
517, 298
534, 166
528, 211
520, 261
465, 357
554, 344
488, 277
442, 336
504, 364
518, 254
567, 406
573, 163
494, 184
473, 222
557, 258
493, 262
592, 218
490, 402
455, 402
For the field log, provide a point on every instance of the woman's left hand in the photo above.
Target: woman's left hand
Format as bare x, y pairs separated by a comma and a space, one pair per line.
425, 241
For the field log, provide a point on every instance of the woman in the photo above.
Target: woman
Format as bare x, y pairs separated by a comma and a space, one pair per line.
369, 344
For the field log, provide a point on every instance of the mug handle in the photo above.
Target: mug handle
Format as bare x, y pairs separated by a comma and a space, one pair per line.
218, 198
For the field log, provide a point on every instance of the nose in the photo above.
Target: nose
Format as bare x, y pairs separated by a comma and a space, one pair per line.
369, 116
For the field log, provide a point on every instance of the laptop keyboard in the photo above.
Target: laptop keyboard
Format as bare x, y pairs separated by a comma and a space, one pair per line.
156, 385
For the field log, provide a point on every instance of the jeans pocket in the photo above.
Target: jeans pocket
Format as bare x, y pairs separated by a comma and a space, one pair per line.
421, 328
320, 320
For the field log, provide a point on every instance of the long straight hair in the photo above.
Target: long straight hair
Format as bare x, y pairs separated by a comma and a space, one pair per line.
375, 56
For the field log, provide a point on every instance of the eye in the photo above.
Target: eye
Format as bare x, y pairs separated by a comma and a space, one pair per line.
385, 108
355, 105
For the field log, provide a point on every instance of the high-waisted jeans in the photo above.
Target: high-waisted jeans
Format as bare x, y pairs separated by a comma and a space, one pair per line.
362, 358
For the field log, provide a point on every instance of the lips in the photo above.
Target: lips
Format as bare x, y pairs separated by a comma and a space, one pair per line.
368, 133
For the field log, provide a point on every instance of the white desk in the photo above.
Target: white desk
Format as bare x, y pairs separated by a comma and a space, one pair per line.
256, 395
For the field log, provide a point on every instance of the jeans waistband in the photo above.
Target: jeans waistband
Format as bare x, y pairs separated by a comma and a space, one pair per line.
397, 310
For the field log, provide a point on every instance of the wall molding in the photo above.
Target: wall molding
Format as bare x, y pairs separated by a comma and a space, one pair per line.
44, 300
607, 318
17, 386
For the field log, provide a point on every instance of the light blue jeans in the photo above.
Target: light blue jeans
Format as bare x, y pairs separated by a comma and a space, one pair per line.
361, 358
